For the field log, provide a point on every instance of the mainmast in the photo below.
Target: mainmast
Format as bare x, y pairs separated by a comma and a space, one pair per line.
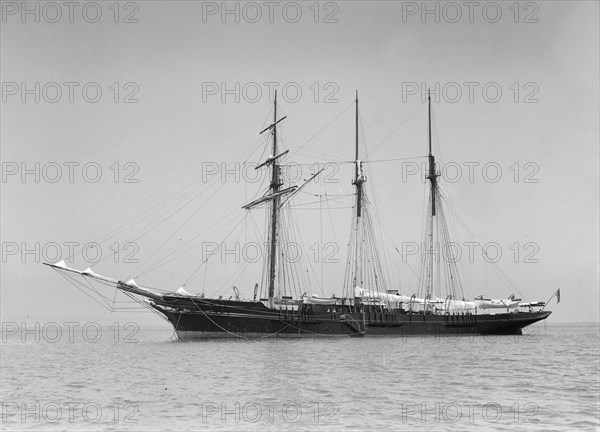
359, 178
358, 181
363, 268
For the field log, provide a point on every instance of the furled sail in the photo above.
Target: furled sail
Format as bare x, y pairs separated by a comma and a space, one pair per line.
314, 299
460, 306
482, 303
375, 295
87, 272
182, 292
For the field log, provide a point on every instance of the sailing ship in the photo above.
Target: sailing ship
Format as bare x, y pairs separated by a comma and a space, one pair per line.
366, 307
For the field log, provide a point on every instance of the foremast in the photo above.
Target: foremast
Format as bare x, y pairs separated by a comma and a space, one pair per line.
274, 188
273, 196
275, 185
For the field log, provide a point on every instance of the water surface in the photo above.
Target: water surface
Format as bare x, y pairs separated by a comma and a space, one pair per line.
144, 380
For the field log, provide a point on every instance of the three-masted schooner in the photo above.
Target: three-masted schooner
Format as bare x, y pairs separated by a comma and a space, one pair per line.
367, 307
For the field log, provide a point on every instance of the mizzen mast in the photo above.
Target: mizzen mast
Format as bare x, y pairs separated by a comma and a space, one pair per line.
432, 177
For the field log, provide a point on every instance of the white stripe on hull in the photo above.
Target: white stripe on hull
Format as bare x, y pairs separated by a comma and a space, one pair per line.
212, 335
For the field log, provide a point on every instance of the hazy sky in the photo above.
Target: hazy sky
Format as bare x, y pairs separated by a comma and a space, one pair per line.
515, 88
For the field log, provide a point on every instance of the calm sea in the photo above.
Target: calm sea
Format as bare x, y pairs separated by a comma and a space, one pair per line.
82, 377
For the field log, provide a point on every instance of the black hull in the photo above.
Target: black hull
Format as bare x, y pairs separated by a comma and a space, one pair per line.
194, 318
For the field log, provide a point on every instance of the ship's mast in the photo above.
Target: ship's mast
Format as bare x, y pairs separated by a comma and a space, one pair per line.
363, 268
359, 179
275, 184
432, 177
274, 198
431, 172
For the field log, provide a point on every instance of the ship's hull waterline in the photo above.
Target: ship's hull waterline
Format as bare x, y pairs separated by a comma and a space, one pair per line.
224, 319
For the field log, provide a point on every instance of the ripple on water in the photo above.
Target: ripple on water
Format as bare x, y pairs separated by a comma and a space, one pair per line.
549, 382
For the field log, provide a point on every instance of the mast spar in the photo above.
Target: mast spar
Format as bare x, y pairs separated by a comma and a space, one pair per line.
359, 178
357, 276
431, 174
275, 184
432, 177
274, 197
